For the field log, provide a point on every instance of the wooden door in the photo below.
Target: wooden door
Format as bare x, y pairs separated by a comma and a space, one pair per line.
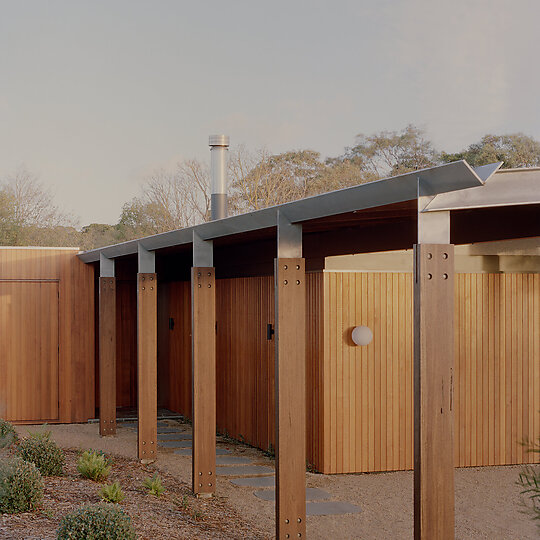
29, 351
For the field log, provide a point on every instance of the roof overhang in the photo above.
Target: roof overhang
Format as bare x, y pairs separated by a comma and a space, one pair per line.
429, 182
509, 187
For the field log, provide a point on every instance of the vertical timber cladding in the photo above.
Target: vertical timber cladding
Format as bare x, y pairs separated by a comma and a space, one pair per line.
147, 365
54, 292
107, 355
29, 345
290, 287
433, 389
203, 306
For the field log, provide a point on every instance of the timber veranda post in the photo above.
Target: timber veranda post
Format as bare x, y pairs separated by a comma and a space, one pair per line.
203, 351
433, 377
107, 347
290, 380
147, 356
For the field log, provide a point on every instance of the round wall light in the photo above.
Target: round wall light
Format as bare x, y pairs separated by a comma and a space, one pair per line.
362, 335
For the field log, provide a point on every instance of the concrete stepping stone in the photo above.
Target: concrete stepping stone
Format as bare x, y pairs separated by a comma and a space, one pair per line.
178, 436
174, 444
233, 460
168, 430
241, 470
328, 508
187, 451
312, 494
132, 425
254, 481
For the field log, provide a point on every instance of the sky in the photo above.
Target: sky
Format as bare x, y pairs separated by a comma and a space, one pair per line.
95, 95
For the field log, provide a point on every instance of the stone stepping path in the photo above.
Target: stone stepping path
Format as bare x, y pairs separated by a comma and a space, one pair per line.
241, 470
233, 460
169, 429
187, 451
312, 494
330, 508
174, 444
176, 436
131, 424
254, 481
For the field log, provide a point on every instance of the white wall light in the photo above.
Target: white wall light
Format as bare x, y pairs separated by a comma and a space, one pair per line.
362, 335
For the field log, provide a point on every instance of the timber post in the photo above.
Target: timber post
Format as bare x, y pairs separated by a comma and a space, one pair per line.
107, 347
433, 377
203, 357
146, 356
290, 380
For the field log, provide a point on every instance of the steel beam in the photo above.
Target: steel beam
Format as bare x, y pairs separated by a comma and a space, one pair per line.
444, 178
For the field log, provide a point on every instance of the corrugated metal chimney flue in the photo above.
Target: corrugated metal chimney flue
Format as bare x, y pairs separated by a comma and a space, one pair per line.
219, 148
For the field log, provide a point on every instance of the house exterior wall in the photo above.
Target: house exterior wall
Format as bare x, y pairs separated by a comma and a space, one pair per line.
360, 399
47, 365
245, 357
368, 390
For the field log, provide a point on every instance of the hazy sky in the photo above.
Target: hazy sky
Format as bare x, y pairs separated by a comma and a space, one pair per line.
96, 94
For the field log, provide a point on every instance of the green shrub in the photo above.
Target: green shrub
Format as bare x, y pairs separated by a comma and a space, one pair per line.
21, 486
97, 522
529, 482
112, 493
93, 465
8, 435
153, 485
39, 449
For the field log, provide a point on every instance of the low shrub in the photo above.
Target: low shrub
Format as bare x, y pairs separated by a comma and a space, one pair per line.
44, 453
101, 521
153, 485
21, 486
93, 465
529, 482
112, 493
8, 435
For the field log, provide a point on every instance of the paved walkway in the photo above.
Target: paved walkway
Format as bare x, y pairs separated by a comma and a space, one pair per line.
243, 471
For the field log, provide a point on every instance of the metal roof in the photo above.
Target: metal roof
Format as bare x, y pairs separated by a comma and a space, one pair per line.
429, 182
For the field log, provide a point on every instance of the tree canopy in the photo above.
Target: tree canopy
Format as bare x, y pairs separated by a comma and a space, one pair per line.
177, 198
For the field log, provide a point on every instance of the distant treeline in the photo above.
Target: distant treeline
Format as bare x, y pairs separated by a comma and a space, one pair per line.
173, 199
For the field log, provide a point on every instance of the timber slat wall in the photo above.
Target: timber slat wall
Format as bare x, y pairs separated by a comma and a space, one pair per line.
368, 390
244, 365
63, 288
360, 399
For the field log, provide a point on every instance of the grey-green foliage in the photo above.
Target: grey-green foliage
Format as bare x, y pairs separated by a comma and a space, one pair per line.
101, 521
529, 482
515, 150
21, 486
154, 485
44, 453
93, 465
8, 435
112, 493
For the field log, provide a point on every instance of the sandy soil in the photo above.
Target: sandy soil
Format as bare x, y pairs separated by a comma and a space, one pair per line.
487, 499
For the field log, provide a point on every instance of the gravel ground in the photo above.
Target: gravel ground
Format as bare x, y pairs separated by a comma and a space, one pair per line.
487, 498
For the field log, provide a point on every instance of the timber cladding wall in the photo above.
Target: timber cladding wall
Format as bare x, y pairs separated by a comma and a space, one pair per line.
245, 357
46, 336
360, 399
368, 390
